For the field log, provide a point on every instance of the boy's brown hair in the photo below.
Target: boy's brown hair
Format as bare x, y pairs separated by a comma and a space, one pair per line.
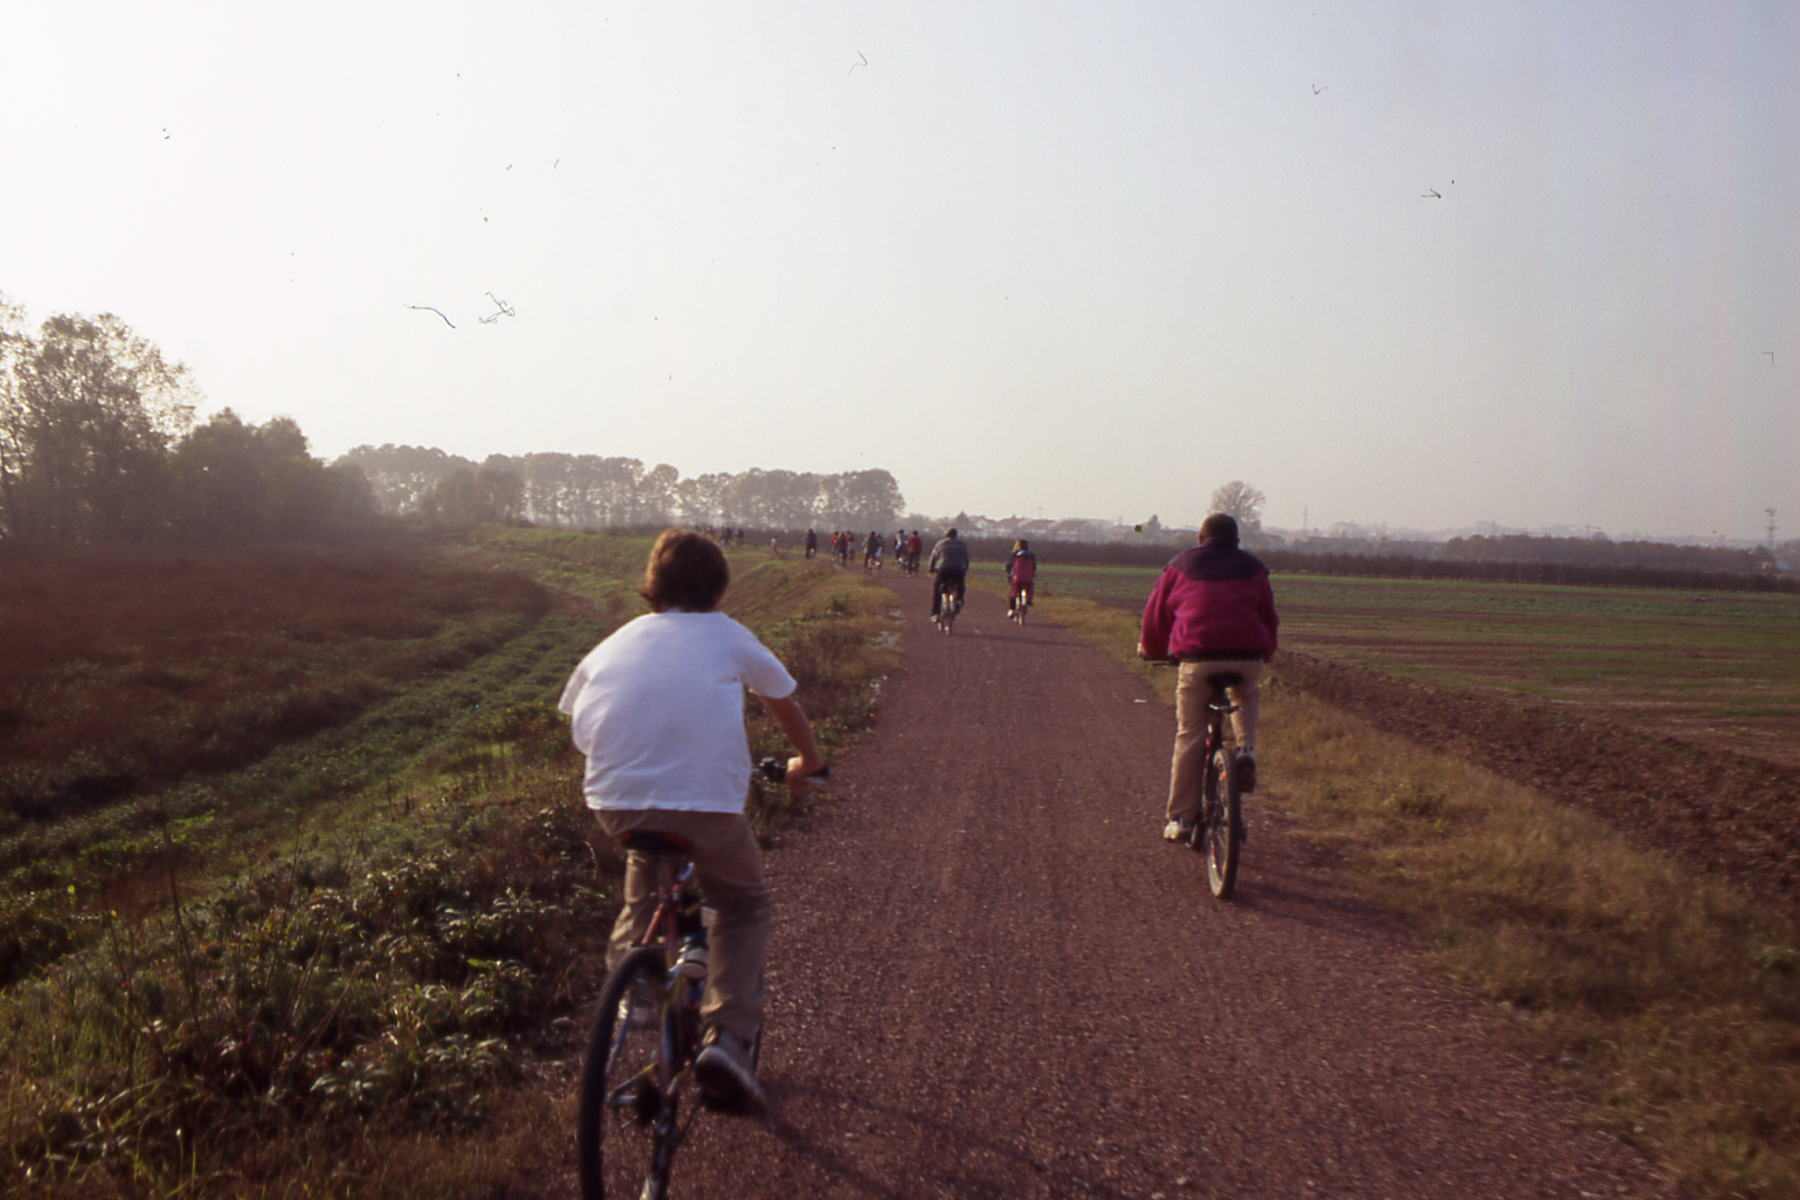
687, 571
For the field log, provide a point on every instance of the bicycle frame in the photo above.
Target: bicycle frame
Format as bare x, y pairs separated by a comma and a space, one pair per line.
1219, 831
677, 1020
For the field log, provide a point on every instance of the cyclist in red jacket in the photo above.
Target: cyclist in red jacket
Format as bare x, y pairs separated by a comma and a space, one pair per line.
1213, 611
1021, 572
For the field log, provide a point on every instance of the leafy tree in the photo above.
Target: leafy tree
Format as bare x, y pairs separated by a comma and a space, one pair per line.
402, 475
471, 495
1240, 500
87, 412
234, 482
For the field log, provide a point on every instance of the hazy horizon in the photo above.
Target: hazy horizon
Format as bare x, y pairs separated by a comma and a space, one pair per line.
1068, 260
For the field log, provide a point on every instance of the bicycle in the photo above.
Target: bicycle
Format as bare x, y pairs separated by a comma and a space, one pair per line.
1020, 605
1219, 831
639, 1066
950, 602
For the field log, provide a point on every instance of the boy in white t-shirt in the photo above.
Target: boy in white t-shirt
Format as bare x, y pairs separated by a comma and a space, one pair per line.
658, 709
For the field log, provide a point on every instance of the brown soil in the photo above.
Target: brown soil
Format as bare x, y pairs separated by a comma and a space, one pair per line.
991, 978
1714, 809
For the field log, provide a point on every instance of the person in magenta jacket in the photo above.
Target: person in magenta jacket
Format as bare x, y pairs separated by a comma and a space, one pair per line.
1212, 610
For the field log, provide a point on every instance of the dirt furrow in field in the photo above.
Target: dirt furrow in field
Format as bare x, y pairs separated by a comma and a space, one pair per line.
991, 978
1721, 811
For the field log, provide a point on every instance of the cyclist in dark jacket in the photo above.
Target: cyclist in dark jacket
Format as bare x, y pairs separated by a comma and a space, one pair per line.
1212, 610
949, 566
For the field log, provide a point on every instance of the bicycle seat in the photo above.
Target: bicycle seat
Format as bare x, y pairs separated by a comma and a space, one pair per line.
1225, 679
646, 841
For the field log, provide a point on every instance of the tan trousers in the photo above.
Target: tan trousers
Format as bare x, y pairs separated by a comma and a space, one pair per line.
1191, 694
729, 867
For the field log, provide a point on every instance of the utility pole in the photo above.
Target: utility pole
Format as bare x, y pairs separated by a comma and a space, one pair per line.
1771, 513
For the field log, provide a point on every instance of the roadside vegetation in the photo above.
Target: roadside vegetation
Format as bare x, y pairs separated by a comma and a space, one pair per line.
1671, 1000
340, 967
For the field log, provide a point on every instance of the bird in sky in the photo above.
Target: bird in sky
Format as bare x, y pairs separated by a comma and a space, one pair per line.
428, 308
1317, 89
1431, 194
501, 309
863, 63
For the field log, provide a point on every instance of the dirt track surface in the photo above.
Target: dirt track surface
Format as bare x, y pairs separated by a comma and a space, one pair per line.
991, 978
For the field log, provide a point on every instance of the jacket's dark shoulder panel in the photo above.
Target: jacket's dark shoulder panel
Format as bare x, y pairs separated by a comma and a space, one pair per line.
1217, 564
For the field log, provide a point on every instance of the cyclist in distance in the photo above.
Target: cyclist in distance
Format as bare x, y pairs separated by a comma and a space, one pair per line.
1213, 611
872, 551
658, 709
915, 548
949, 566
812, 542
1021, 572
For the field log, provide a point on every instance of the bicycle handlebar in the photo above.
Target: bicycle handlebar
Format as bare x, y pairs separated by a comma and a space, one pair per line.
775, 770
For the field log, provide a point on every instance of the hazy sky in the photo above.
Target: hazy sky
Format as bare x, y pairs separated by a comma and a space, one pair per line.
1078, 259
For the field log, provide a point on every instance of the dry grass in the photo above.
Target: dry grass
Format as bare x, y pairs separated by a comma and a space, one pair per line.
1671, 1000
123, 672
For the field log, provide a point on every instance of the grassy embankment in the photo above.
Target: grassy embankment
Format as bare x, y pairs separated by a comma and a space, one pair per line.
1671, 1001
332, 968
1718, 666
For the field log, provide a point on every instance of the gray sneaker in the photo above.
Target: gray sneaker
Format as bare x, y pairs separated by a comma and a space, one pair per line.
726, 1076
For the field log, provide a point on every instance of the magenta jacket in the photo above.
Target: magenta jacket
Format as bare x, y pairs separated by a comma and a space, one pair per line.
1212, 602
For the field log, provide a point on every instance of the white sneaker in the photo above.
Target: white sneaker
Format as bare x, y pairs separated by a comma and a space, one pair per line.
726, 1075
1178, 831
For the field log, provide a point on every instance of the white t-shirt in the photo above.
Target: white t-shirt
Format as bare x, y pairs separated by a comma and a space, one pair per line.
658, 708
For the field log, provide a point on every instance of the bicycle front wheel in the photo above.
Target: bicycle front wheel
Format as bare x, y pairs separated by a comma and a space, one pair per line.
626, 1082
1221, 820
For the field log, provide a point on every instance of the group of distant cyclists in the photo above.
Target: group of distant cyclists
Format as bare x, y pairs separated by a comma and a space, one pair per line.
657, 709
906, 548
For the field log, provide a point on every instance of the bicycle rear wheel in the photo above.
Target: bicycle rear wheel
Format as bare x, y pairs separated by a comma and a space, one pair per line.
626, 1081
1221, 823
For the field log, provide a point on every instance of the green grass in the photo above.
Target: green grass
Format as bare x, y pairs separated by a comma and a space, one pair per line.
268, 981
1724, 666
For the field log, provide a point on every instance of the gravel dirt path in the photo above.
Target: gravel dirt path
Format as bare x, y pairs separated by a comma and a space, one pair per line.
991, 978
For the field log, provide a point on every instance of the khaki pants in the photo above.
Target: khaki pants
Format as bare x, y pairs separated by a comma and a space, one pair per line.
1191, 695
729, 867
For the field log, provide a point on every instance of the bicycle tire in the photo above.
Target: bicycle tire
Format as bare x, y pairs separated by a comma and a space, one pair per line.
609, 1066
1222, 823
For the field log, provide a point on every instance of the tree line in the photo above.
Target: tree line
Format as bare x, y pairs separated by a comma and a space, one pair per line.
99, 443
590, 491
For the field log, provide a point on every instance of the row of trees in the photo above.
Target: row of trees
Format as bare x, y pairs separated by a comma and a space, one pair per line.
591, 491
98, 442
1603, 552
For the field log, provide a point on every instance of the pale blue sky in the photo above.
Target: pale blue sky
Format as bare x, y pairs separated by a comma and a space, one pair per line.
1084, 259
